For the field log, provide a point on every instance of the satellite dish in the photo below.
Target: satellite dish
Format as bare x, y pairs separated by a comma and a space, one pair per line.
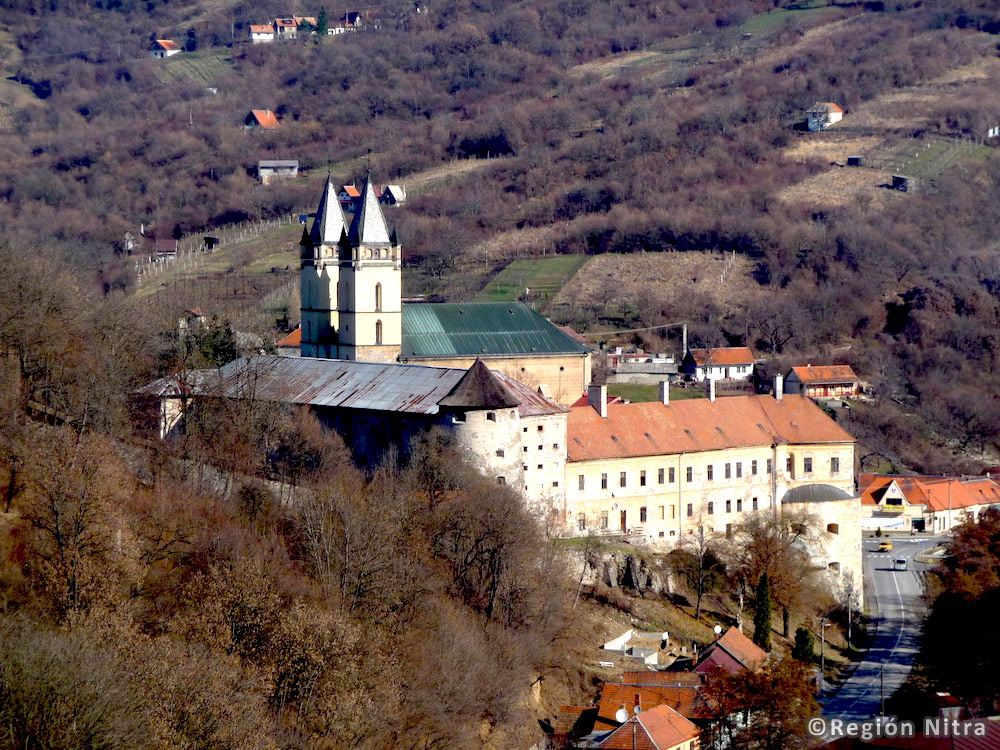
717, 629
621, 715
637, 709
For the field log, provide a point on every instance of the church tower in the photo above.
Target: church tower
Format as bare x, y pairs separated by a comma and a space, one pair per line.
319, 276
351, 282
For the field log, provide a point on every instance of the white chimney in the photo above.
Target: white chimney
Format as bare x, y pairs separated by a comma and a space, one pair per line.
711, 389
597, 396
779, 387
665, 392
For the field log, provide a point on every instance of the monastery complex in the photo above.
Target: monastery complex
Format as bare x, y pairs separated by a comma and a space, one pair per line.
515, 390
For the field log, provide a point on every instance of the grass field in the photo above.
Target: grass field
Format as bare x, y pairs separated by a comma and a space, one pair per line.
651, 392
800, 11
542, 276
197, 67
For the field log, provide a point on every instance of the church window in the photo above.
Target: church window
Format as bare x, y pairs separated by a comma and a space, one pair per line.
378, 298
378, 331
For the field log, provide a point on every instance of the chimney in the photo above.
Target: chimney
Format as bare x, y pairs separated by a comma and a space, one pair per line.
710, 387
597, 396
779, 387
665, 392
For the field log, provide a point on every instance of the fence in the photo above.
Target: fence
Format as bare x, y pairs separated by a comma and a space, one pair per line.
192, 251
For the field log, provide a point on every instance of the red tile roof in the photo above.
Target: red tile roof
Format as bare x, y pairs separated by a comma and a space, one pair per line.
574, 721
351, 191
265, 118
647, 677
935, 493
261, 28
733, 355
826, 107
685, 699
653, 428
292, 339
738, 646
166, 44
584, 400
658, 728
825, 374
285, 22
572, 334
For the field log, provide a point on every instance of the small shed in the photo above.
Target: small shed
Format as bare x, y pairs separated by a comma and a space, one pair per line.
272, 169
856, 161
261, 118
163, 48
904, 184
823, 114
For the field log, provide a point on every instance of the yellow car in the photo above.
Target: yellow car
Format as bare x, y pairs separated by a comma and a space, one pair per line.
885, 546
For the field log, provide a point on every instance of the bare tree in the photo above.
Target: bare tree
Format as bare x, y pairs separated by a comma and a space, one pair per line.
695, 559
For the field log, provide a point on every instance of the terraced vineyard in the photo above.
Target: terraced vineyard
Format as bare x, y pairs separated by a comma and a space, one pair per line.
197, 67
927, 158
534, 278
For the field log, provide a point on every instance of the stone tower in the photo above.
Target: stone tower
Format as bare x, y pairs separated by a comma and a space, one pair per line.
351, 282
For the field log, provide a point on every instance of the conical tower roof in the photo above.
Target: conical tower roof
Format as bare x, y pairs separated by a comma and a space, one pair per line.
368, 226
330, 223
479, 389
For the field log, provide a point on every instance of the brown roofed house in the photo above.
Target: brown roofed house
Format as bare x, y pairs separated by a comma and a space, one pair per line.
823, 381
261, 118
727, 363
732, 653
657, 728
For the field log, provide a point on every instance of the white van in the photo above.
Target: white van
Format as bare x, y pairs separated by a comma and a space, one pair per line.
899, 563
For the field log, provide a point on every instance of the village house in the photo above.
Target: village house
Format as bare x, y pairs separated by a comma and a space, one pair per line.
392, 195
724, 363
269, 170
290, 345
733, 652
823, 381
163, 48
286, 28
261, 33
348, 196
822, 115
263, 119
923, 503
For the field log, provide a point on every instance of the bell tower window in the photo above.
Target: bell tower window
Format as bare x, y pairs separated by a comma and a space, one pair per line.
378, 297
378, 331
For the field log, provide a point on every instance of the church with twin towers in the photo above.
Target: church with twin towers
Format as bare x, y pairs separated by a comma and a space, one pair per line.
352, 309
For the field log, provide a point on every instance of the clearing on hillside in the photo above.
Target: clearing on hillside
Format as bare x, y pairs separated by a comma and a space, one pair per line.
617, 278
532, 277
196, 67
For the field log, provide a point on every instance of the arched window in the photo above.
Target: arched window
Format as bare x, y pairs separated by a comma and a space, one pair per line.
378, 331
378, 297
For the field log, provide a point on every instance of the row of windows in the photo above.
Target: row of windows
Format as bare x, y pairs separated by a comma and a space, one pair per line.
555, 447
754, 504
667, 476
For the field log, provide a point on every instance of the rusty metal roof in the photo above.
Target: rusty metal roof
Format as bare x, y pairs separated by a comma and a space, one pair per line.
416, 389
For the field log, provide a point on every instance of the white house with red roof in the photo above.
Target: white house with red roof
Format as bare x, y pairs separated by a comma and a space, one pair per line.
163, 48
722, 363
823, 114
261, 33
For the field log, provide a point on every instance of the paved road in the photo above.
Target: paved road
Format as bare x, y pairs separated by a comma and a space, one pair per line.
900, 611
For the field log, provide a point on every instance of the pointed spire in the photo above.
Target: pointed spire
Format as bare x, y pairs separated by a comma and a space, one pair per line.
306, 243
330, 221
368, 226
479, 389
394, 237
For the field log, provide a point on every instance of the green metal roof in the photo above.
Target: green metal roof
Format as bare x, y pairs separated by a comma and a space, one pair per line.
478, 329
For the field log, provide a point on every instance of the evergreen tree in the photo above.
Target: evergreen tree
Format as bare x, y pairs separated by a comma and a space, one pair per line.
804, 648
322, 23
762, 615
191, 43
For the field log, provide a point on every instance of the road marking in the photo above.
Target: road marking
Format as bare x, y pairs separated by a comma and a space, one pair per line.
899, 636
